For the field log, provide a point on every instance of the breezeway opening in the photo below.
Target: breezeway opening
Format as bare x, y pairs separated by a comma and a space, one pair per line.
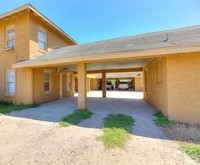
115, 94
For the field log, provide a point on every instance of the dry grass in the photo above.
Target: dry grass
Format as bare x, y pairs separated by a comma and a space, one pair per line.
184, 132
188, 135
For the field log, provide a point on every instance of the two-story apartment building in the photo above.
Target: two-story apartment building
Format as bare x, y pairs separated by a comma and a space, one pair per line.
35, 69
25, 34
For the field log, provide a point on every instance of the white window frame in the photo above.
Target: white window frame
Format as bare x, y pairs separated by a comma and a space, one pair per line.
49, 81
8, 71
43, 42
7, 40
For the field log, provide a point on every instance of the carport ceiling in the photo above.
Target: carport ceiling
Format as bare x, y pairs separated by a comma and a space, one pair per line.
110, 65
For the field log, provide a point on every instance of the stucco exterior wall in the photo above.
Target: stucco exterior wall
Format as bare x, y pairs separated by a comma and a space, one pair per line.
24, 86
138, 84
184, 87
26, 27
1, 83
70, 92
94, 83
156, 92
21, 51
39, 96
54, 39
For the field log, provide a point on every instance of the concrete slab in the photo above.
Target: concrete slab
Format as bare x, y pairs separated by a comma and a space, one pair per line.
124, 102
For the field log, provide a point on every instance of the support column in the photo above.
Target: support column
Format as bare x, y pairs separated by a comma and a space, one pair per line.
73, 84
82, 94
103, 85
117, 83
133, 83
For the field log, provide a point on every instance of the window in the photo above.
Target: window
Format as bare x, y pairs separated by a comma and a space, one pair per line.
10, 38
69, 77
10, 81
47, 81
42, 40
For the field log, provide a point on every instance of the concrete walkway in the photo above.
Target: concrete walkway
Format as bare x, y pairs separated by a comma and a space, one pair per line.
130, 103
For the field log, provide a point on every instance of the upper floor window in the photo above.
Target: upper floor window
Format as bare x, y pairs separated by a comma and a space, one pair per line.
42, 40
10, 38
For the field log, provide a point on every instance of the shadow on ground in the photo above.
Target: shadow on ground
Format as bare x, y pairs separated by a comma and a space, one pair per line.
141, 111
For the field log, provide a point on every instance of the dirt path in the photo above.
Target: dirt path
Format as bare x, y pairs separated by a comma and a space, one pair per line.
36, 142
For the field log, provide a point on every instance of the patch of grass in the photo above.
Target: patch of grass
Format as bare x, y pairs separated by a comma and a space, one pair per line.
192, 150
118, 121
114, 137
75, 117
116, 130
161, 120
7, 106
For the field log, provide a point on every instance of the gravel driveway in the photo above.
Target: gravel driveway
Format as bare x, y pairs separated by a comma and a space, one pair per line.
33, 136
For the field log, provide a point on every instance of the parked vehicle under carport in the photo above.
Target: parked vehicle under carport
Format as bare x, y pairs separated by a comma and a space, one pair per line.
123, 85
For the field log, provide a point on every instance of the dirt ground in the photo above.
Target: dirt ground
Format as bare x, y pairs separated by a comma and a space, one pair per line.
29, 138
29, 142
184, 132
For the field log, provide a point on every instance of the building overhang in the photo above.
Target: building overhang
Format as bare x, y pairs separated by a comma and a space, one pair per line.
105, 57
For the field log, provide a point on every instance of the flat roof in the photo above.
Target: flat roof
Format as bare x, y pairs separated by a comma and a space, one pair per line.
30, 7
188, 36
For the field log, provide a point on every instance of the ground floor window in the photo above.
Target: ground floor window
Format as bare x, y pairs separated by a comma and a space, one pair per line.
47, 81
10, 81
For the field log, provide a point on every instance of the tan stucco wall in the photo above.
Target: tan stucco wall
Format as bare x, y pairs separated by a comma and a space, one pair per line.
1, 83
155, 93
94, 83
26, 46
21, 51
24, 86
138, 84
184, 87
71, 92
39, 96
54, 39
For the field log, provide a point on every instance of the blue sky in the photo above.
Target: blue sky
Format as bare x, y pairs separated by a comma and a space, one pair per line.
93, 20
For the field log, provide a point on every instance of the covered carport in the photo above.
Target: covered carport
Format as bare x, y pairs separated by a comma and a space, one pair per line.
155, 54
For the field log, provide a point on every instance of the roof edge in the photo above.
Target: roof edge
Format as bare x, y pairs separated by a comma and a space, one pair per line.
29, 6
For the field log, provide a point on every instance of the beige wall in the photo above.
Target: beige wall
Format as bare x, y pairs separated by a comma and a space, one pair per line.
178, 94
71, 91
94, 83
138, 83
39, 96
184, 87
24, 86
54, 39
26, 46
21, 51
156, 92
1, 82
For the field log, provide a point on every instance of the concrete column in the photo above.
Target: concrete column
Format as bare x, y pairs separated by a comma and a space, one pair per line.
103, 85
133, 83
73, 84
82, 94
88, 84
117, 83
